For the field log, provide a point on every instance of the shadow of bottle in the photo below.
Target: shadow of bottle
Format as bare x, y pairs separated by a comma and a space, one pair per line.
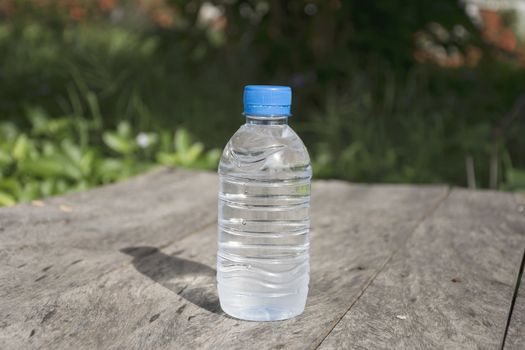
191, 280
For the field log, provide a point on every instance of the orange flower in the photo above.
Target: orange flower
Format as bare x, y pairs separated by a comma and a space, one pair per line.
163, 18
77, 13
107, 5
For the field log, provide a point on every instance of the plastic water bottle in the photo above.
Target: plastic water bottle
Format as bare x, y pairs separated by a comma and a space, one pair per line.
264, 199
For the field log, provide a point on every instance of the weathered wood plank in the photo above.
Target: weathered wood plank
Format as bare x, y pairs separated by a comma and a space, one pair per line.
104, 218
449, 286
106, 215
167, 298
45, 250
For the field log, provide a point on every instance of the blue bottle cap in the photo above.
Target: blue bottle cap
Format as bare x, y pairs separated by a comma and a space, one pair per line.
267, 100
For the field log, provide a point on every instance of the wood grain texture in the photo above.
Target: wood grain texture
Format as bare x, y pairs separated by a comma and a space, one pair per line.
45, 251
451, 284
133, 265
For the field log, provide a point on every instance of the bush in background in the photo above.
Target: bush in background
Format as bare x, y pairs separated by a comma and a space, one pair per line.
370, 105
57, 156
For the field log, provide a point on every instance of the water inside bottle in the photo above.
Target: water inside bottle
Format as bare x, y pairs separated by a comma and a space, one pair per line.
264, 198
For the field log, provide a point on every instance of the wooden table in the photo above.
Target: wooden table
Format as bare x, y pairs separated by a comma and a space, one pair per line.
132, 265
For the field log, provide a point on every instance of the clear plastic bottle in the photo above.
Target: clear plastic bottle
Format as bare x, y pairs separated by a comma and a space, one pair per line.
264, 199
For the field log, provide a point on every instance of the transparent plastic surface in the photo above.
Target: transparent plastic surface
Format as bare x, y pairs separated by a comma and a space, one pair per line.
264, 199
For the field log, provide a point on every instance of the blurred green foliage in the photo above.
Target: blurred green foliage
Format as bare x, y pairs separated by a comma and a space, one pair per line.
80, 97
59, 155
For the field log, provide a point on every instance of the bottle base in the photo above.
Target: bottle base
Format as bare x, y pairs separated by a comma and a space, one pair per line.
257, 308
262, 314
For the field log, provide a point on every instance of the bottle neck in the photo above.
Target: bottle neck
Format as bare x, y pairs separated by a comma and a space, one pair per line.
275, 120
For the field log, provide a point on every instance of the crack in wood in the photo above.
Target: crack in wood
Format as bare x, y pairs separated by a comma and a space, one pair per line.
424, 217
513, 302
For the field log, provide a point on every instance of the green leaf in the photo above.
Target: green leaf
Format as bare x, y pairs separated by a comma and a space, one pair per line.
182, 141
10, 185
61, 186
42, 125
48, 148
124, 129
168, 159
55, 126
72, 151
110, 165
8, 131
118, 143
6, 199
94, 107
30, 191
87, 162
212, 157
166, 141
110, 169
21, 148
192, 155
5, 159
38, 118
43, 167
71, 170
79, 186
47, 187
